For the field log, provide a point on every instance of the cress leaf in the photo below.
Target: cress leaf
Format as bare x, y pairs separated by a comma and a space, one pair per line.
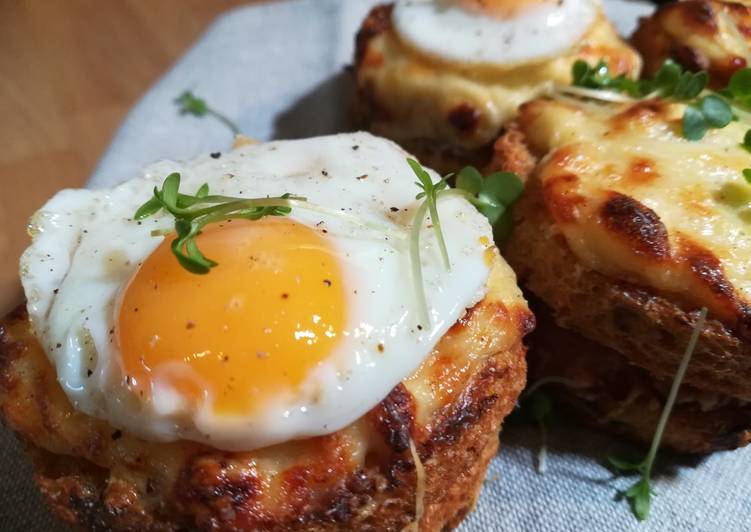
425, 182
503, 187
492, 196
747, 175
430, 192
665, 80
193, 212
195, 263
739, 86
747, 141
189, 103
469, 178
599, 77
580, 73
690, 85
640, 497
203, 191
151, 207
694, 124
169, 190
716, 111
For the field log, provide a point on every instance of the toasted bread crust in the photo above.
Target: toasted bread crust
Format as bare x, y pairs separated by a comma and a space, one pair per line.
626, 399
699, 35
362, 477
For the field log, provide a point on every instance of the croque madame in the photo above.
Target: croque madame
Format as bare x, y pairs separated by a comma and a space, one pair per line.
135, 388
625, 231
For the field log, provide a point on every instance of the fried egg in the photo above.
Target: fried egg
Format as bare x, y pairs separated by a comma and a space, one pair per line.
307, 322
496, 32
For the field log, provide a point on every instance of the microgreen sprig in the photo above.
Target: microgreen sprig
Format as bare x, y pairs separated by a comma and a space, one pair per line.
640, 493
670, 81
190, 104
492, 196
194, 212
430, 192
705, 109
599, 77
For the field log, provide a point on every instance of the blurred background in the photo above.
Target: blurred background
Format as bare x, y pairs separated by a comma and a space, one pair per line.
69, 72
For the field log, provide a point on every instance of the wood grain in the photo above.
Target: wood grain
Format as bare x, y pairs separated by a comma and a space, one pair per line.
69, 71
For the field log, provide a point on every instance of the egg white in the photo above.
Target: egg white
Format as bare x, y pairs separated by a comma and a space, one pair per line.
445, 30
86, 247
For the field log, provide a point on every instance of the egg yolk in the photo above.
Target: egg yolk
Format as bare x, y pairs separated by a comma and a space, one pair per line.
502, 9
251, 329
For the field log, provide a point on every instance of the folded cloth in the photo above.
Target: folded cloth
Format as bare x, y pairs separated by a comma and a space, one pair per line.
278, 70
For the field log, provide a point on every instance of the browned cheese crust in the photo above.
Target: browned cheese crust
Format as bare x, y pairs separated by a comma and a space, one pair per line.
628, 331
363, 477
440, 110
699, 35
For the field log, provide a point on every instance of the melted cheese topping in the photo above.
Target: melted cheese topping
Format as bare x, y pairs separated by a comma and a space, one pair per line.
637, 201
421, 97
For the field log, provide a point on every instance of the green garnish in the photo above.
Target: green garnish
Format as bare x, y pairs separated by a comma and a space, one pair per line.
747, 141
739, 88
492, 196
702, 114
430, 192
640, 493
705, 109
194, 212
190, 104
712, 111
599, 77
669, 82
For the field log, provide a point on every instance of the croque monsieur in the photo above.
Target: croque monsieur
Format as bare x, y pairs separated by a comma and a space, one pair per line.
267, 367
442, 78
625, 231
709, 35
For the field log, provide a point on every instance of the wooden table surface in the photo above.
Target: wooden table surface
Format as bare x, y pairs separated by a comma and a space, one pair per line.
69, 72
